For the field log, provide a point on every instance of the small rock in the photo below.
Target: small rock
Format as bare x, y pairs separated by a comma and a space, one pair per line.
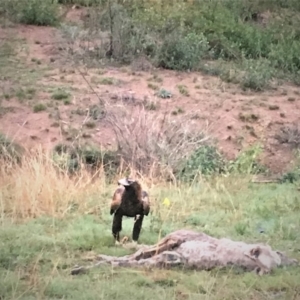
273, 107
114, 97
282, 115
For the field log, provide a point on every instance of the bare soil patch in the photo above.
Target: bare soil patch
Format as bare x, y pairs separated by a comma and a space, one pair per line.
235, 118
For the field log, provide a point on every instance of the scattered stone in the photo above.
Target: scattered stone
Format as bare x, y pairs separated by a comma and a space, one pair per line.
273, 107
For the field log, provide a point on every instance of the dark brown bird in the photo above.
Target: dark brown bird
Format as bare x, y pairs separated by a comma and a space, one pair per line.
131, 201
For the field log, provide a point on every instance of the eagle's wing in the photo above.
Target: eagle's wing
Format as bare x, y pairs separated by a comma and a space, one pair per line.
116, 199
146, 203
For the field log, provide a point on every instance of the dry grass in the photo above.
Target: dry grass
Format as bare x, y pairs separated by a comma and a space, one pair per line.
39, 187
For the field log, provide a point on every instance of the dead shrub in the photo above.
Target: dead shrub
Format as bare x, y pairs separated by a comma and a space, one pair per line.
151, 144
289, 134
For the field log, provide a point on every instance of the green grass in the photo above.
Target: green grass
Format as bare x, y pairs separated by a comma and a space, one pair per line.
22, 84
183, 90
36, 256
60, 94
39, 107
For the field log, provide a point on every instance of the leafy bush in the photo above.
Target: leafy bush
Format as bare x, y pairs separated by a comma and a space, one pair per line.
257, 74
179, 35
233, 30
34, 12
182, 52
284, 55
293, 175
206, 160
247, 162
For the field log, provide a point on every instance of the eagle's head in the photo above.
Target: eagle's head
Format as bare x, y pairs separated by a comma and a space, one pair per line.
131, 186
126, 182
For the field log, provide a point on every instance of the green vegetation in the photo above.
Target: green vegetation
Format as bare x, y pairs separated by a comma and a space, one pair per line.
35, 12
183, 90
39, 107
60, 94
251, 43
37, 255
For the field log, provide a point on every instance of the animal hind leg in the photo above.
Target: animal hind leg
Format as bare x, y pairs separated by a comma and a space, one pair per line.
117, 226
137, 228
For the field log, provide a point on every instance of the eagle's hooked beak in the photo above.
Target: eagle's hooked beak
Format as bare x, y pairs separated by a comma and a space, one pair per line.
125, 181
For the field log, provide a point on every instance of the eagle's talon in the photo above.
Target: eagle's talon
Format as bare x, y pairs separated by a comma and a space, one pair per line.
132, 245
124, 240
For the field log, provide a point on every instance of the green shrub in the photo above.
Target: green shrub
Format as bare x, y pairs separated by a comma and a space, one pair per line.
247, 162
182, 52
39, 12
285, 55
233, 31
206, 160
257, 74
60, 94
39, 107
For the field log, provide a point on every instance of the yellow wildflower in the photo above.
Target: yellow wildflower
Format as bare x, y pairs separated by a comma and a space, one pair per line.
166, 202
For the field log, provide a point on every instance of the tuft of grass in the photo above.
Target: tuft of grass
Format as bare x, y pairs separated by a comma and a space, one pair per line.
90, 124
67, 101
273, 107
60, 94
107, 81
252, 117
39, 107
156, 79
153, 86
150, 105
183, 90
178, 111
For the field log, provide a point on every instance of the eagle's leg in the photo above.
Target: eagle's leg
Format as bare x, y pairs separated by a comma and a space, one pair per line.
117, 226
137, 228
